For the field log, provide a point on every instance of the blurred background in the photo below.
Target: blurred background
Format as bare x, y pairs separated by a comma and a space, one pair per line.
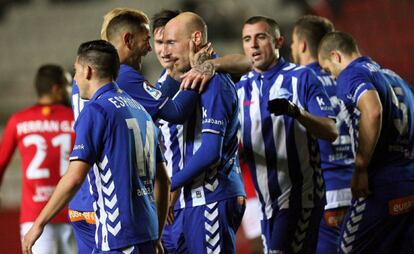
35, 32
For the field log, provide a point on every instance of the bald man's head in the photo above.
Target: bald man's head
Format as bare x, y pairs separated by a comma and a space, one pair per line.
191, 23
178, 33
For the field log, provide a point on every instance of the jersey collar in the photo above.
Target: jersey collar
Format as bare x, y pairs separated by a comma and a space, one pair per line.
272, 71
353, 63
103, 89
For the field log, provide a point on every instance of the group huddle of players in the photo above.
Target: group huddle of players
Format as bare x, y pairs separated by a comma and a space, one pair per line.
328, 140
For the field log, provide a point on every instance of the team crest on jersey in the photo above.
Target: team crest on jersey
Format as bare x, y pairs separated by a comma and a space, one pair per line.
156, 94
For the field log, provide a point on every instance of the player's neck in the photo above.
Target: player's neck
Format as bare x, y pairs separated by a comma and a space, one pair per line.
306, 59
46, 100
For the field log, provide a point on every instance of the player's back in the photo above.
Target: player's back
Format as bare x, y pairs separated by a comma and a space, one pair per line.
45, 137
122, 179
393, 158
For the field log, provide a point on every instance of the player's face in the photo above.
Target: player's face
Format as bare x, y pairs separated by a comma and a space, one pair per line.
176, 45
294, 47
259, 45
330, 66
80, 78
141, 45
163, 58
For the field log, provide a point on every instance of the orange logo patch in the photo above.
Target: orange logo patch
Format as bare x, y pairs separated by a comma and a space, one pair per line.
89, 217
46, 111
401, 205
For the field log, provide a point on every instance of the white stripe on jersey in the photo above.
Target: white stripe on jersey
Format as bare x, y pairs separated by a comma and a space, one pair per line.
258, 147
168, 154
101, 223
240, 95
278, 123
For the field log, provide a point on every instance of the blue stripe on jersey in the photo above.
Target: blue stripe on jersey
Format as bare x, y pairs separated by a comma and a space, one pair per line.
280, 153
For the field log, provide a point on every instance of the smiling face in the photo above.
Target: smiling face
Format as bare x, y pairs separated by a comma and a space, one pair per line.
259, 45
177, 45
164, 59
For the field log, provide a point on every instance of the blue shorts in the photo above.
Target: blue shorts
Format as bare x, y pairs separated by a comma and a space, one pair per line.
212, 228
173, 236
292, 230
142, 248
330, 229
84, 231
381, 223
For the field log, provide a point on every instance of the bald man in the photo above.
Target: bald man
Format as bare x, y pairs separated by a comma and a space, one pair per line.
213, 188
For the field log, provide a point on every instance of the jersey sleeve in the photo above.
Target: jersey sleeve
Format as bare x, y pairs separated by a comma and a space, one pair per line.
352, 85
8, 145
216, 107
90, 129
140, 90
317, 100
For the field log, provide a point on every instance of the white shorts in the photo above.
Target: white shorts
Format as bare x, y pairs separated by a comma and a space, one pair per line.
55, 239
251, 218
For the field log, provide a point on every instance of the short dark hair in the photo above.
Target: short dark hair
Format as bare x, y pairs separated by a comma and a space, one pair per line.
340, 41
47, 76
160, 19
312, 29
130, 20
273, 25
102, 56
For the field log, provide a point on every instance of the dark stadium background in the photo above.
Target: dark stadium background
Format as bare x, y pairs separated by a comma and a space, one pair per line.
34, 32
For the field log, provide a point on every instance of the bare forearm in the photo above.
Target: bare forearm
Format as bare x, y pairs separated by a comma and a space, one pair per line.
233, 64
162, 193
67, 187
369, 131
320, 127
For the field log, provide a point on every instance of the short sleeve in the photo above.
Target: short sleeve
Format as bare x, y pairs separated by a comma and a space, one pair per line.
90, 130
352, 85
140, 90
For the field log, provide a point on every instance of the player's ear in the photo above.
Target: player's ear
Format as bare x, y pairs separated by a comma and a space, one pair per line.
128, 39
336, 56
88, 72
197, 39
279, 42
303, 46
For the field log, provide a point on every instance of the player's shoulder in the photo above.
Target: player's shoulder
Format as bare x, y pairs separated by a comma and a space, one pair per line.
128, 73
246, 79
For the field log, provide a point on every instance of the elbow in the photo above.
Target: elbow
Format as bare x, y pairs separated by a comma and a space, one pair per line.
374, 115
333, 133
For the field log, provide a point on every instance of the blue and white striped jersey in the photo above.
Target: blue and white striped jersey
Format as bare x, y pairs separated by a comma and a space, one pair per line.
282, 156
116, 135
337, 158
173, 144
393, 158
216, 113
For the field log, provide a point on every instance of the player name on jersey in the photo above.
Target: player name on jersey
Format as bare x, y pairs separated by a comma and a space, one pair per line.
44, 126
